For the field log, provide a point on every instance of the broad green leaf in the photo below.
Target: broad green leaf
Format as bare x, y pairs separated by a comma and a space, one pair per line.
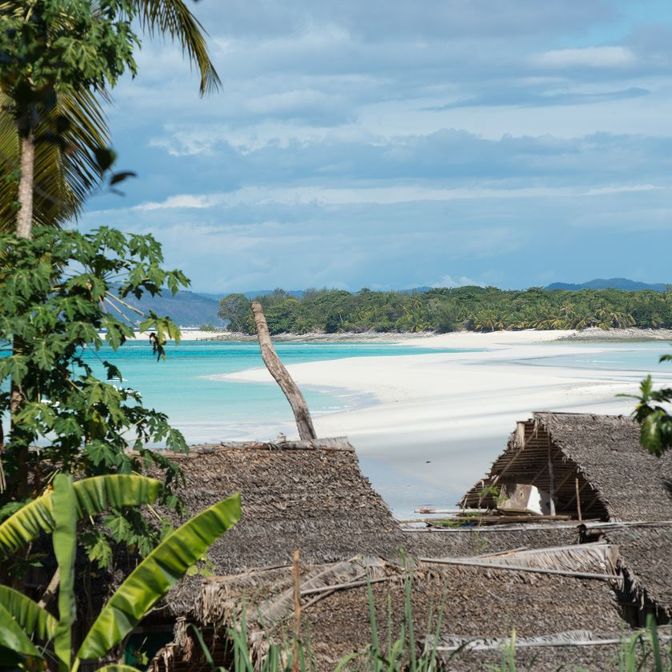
65, 549
93, 495
26, 524
114, 491
33, 619
13, 637
117, 667
156, 574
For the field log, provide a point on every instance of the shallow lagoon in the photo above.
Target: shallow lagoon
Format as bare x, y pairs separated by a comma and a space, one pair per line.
187, 387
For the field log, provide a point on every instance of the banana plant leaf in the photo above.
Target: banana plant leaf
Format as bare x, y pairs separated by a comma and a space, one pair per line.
13, 637
34, 620
117, 667
64, 504
155, 575
93, 495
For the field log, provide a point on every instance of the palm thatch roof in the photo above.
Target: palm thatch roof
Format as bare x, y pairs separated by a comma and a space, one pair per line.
461, 541
309, 495
644, 559
537, 578
600, 455
443, 603
618, 482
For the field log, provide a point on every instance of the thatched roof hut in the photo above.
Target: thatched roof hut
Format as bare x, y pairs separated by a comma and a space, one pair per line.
598, 455
619, 483
453, 605
312, 496
309, 495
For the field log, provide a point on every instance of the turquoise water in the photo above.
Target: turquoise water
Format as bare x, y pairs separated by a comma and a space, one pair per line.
631, 356
207, 409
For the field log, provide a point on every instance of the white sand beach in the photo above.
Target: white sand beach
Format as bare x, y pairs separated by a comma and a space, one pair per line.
441, 418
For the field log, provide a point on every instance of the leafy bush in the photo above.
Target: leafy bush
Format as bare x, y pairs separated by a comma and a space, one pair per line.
62, 296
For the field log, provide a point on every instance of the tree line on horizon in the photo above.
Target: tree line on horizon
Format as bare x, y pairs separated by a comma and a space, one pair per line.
443, 310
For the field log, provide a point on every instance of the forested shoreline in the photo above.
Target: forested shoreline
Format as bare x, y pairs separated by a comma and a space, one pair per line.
443, 310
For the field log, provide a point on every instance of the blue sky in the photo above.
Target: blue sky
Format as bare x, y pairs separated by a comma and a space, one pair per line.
391, 144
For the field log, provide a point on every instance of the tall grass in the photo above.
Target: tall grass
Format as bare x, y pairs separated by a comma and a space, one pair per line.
400, 653
643, 651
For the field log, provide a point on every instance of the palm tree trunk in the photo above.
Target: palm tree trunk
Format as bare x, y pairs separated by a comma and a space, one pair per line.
24, 220
24, 229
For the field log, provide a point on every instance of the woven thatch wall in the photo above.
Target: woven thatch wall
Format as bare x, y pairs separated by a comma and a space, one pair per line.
618, 479
310, 496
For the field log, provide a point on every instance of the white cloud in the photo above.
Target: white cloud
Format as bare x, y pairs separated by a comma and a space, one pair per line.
383, 195
460, 281
189, 201
623, 189
589, 57
340, 137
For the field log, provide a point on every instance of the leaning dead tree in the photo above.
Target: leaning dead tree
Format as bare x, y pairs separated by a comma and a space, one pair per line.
281, 375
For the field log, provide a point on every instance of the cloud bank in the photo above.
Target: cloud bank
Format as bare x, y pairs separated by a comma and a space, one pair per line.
397, 144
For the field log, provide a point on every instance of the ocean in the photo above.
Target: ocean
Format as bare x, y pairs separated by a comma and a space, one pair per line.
436, 468
639, 356
186, 385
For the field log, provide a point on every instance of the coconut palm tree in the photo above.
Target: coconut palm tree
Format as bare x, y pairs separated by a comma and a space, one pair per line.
53, 162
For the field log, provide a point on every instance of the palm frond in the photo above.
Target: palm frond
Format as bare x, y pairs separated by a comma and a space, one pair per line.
65, 167
173, 18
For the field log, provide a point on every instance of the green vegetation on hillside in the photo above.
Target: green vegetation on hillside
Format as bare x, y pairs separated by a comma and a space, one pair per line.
442, 310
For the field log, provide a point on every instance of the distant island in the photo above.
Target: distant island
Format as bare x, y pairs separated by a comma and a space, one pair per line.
330, 311
612, 283
607, 304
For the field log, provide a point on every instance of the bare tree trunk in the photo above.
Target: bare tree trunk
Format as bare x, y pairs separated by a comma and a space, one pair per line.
282, 377
24, 220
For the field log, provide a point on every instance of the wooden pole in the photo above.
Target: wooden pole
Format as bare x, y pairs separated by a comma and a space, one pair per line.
277, 369
578, 499
551, 494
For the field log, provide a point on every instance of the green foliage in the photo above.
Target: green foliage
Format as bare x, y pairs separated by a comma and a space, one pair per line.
13, 638
59, 59
441, 310
92, 496
172, 18
644, 650
52, 46
653, 417
156, 574
57, 301
21, 619
236, 309
62, 296
66, 169
32, 619
65, 550
509, 654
